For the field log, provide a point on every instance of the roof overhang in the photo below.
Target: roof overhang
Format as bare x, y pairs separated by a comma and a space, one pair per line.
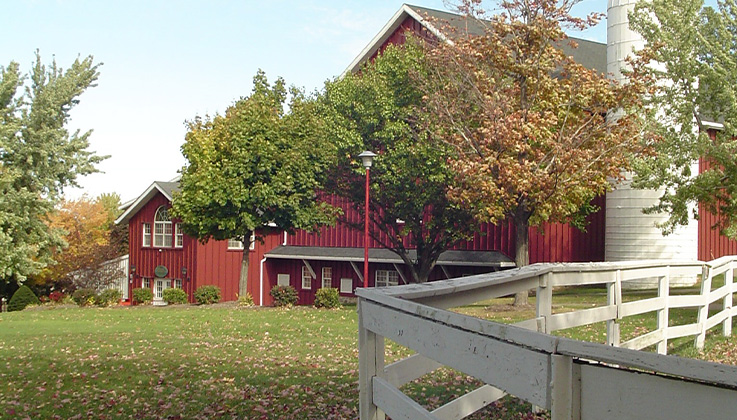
137, 204
384, 256
394, 23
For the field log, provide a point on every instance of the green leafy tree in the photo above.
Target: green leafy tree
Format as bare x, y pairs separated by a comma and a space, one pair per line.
39, 157
690, 50
527, 124
255, 169
379, 109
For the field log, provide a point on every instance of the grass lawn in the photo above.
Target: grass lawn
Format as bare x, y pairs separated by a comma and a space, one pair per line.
194, 362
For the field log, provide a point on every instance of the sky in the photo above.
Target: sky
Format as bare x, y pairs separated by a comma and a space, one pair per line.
166, 62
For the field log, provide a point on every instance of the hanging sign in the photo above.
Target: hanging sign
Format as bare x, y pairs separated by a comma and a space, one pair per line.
161, 271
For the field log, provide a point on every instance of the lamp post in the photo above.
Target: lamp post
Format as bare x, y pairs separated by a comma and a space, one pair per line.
367, 158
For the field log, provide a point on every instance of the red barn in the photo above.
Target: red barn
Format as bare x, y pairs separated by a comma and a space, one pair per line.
161, 257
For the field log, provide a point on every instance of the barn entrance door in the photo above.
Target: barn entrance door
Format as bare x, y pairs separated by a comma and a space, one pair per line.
159, 286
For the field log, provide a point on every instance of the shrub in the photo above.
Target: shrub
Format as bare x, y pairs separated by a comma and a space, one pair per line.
56, 296
22, 297
109, 297
84, 296
284, 295
246, 300
327, 297
206, 295
175, 296
143, 296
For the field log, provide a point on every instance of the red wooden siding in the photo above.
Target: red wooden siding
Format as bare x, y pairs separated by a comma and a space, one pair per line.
399, 36
712, 244
559, 243
271, 241
146, 259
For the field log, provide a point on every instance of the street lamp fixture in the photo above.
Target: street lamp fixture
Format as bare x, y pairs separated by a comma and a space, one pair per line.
367, 158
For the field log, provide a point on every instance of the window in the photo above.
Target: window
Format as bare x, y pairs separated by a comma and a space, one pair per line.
147, 234
306, 278
162, 228
146, 283
237, 244
327, 277
346, 285
386, 278
177, 283
282, 279
178, 236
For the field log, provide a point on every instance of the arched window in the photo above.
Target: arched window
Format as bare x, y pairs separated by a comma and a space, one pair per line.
162, 228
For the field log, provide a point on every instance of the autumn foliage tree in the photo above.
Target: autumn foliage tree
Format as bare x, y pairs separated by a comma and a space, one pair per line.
528, 125
88, 230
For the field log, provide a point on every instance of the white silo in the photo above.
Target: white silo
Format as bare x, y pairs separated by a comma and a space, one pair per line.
630, 234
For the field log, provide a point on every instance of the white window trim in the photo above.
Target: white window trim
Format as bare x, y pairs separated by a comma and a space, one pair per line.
162, 228
385, 278
306, 275
177, 284
237, 244
146, 235
178, 236
328, 277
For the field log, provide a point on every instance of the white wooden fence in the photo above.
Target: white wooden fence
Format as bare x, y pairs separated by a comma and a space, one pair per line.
572, 379
119, 266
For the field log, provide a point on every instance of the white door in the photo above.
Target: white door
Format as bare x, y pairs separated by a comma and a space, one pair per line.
159, 286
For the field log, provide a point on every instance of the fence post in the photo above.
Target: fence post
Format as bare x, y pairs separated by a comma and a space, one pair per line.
663, 313
4, 305
544, 301
370, 364
704, 308
614, 298
565, 398
729, 282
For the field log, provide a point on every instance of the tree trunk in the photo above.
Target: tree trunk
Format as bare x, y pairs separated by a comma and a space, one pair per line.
522, 254
243, 281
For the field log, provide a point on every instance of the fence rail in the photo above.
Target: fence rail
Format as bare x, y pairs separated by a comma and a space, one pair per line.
573, 379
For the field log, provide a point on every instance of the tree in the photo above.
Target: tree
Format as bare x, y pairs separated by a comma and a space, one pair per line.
379, 109
255, 169
87, 227
528, 125
693, 67
38, 158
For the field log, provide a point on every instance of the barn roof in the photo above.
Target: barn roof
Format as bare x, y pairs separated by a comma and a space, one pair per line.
167, 189
590, 54
380, 255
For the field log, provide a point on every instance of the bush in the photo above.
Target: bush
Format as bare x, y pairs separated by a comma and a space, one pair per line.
143, 296
84, 296
246, 300
327, 297
56, 296
284, 295
22, 297
175, 296
206, 295
109, 297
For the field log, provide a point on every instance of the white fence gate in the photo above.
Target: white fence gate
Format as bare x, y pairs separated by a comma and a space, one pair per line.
572, 379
